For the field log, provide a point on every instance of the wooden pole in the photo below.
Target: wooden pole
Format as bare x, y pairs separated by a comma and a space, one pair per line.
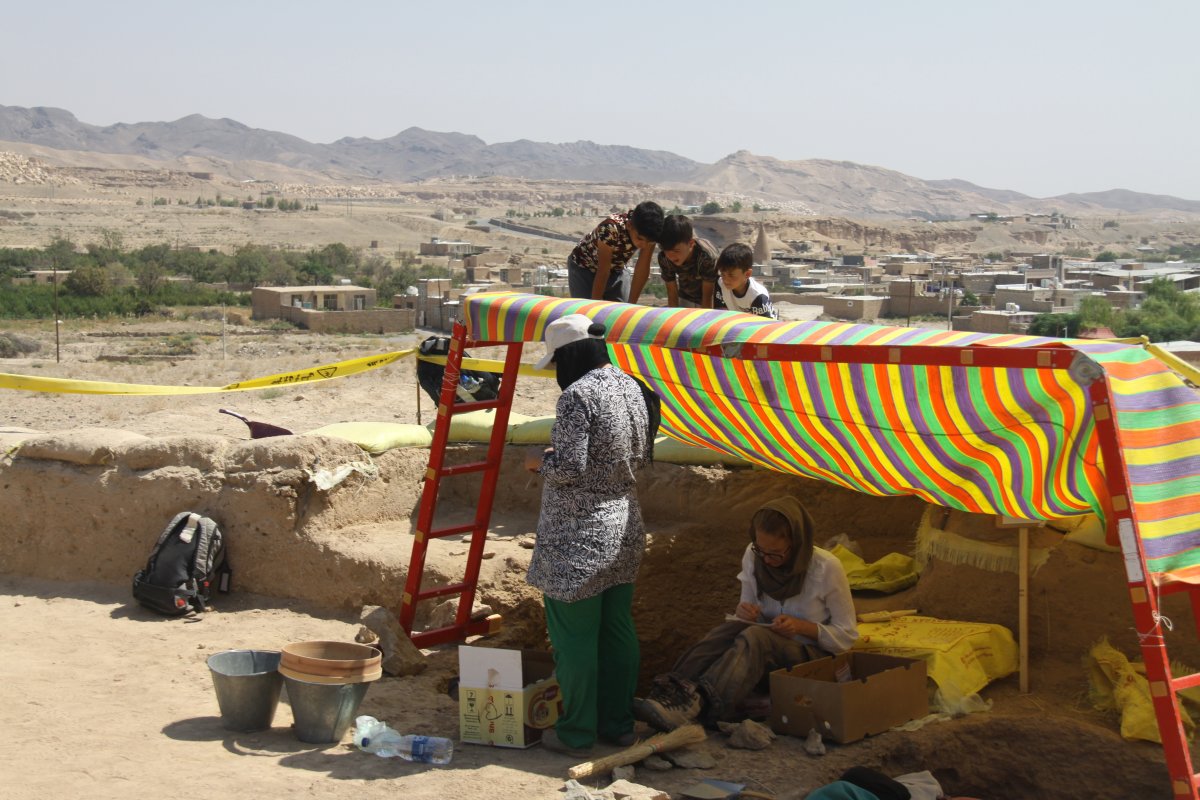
1023, 608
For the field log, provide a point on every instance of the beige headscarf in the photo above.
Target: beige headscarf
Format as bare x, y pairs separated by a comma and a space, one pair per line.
787, 579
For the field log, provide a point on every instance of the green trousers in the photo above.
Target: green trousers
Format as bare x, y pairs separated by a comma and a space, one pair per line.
596, 658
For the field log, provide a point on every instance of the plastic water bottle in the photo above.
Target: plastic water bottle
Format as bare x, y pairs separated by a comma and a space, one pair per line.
373, 736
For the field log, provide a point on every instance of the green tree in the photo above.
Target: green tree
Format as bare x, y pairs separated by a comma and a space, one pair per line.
736, 206
150, 276
1166, 315
1107, 255
1096, 312
269, 202
711, 207
87, 280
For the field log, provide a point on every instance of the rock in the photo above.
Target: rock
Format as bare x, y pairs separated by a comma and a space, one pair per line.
627, 790
443, 614
365, 635
813, 744
656, 763
527, 542
748, 735
400, 655
690, 758
624, 773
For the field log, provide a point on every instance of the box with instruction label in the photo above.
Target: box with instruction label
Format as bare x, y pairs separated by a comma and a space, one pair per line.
506, 698
848, 696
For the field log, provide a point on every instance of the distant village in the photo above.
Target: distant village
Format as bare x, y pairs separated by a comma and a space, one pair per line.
970, 292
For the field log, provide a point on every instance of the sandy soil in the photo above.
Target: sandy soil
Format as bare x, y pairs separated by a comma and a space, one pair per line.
105, 699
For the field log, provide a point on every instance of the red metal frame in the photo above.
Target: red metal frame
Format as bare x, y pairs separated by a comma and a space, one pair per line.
463, 625
1143, 593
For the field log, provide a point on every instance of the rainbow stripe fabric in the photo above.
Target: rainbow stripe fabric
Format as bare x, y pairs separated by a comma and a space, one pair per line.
1014, 441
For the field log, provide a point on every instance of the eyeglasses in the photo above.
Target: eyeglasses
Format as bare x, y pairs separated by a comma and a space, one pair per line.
765, 554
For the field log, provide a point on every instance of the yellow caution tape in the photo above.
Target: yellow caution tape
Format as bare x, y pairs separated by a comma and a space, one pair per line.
324, 372
488, 365
340, 369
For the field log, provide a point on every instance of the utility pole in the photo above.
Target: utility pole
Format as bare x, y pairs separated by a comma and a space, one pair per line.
57, 321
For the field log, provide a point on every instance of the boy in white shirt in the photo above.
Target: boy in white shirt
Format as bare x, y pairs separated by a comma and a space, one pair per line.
736, 290
799, 589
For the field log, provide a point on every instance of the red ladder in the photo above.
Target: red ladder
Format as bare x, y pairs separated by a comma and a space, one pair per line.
1145, 592
463, 626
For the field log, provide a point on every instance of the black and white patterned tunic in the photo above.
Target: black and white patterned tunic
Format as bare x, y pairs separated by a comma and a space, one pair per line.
590, 535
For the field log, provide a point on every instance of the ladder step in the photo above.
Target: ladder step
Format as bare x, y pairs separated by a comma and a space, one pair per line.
1186, 682
441, 533
474, 405
463, 469
457, 633
441, 591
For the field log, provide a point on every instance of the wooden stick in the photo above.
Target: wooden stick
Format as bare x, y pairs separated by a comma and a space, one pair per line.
658, 743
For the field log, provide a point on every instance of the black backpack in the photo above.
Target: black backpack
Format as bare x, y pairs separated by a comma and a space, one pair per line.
187, 561
472, 384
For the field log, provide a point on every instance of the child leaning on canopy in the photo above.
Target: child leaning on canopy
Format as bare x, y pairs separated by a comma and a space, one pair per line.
799, 589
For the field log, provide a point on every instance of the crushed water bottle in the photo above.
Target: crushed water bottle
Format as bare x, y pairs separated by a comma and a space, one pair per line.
373, 736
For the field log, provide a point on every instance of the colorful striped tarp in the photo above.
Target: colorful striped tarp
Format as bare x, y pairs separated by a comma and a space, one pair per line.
992, 440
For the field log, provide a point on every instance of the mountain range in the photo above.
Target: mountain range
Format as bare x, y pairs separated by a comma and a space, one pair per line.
809, 186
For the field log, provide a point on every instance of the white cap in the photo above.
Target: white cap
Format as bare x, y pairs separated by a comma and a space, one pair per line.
563, 331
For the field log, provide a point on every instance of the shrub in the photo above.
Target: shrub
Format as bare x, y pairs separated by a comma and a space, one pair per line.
15, 344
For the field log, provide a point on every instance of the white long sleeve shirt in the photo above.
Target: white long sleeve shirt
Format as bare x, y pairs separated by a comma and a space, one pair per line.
824, 599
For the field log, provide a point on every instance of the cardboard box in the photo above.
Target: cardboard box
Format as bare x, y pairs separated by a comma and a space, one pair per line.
506, 698
882, 692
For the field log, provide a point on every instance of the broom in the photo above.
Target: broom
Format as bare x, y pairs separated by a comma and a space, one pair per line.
658, 743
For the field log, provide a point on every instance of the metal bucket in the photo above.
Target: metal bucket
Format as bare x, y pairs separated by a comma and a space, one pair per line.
247, 684
322, 712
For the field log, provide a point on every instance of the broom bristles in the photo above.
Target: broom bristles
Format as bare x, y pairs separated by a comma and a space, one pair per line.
658, 743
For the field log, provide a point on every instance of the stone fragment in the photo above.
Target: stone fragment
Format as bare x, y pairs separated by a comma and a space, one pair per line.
400, 655
748, 734
690, 758
443, 614
656, 763
625, 773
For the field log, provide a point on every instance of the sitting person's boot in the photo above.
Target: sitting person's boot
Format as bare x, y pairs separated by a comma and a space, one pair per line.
672, 703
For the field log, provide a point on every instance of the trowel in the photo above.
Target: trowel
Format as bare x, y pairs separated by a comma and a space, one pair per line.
713, 789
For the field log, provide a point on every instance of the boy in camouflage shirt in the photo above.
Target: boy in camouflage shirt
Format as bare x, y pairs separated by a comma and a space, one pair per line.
688, 264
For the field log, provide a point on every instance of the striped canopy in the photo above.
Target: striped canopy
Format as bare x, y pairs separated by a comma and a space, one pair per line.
963, 429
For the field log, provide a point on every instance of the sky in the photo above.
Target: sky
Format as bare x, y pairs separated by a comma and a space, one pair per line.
1044, 97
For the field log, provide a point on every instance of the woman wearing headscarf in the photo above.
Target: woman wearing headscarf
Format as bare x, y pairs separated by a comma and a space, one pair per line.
801, 591
590, 535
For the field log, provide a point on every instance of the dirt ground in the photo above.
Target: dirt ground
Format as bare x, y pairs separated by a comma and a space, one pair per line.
105, 699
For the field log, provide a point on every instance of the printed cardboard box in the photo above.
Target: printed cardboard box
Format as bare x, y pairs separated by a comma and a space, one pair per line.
879, 692
506, 698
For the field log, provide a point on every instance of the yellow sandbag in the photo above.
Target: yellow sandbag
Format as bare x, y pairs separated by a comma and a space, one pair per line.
476, 426
1090, 533
1001, 554
889, 574
673, 451
532, 430
961, 657
1116, 685
666, 449
377, 437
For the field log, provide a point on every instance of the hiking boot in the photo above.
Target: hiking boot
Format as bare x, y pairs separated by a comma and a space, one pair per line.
672, 703
624, 740
551, 742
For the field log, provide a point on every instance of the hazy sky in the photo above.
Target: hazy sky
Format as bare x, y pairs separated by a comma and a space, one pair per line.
1042, 97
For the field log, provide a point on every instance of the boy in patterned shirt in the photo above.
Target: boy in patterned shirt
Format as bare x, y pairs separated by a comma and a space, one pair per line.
688, 265
595, 266
736, 290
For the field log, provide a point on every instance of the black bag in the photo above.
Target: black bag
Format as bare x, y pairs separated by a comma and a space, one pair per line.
187, 561
472, 384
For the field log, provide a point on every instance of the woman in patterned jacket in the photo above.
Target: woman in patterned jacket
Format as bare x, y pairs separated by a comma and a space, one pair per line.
590, 535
